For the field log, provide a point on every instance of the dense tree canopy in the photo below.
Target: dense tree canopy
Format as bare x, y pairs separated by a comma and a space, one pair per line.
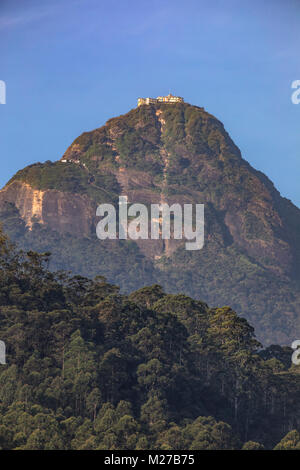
89, 368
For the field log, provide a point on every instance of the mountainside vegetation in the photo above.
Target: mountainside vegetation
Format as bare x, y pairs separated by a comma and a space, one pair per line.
172, 153
90, 368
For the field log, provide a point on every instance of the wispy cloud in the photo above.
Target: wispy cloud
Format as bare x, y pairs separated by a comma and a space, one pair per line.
23, 18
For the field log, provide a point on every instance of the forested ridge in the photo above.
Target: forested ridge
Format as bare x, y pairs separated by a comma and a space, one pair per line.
89, 368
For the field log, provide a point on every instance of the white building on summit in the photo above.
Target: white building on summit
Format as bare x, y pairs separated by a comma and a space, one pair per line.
161, 99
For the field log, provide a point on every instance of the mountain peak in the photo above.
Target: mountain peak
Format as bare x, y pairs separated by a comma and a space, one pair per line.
176, 153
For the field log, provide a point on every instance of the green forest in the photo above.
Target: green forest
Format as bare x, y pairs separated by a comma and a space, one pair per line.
90, 368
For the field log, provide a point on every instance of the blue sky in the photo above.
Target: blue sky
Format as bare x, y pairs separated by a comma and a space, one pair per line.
69, 65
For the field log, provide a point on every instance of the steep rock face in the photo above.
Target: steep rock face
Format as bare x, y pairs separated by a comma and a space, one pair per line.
175, 154
29, 201
63, 212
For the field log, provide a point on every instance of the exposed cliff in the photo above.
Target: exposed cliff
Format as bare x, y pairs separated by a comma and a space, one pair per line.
63, 212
